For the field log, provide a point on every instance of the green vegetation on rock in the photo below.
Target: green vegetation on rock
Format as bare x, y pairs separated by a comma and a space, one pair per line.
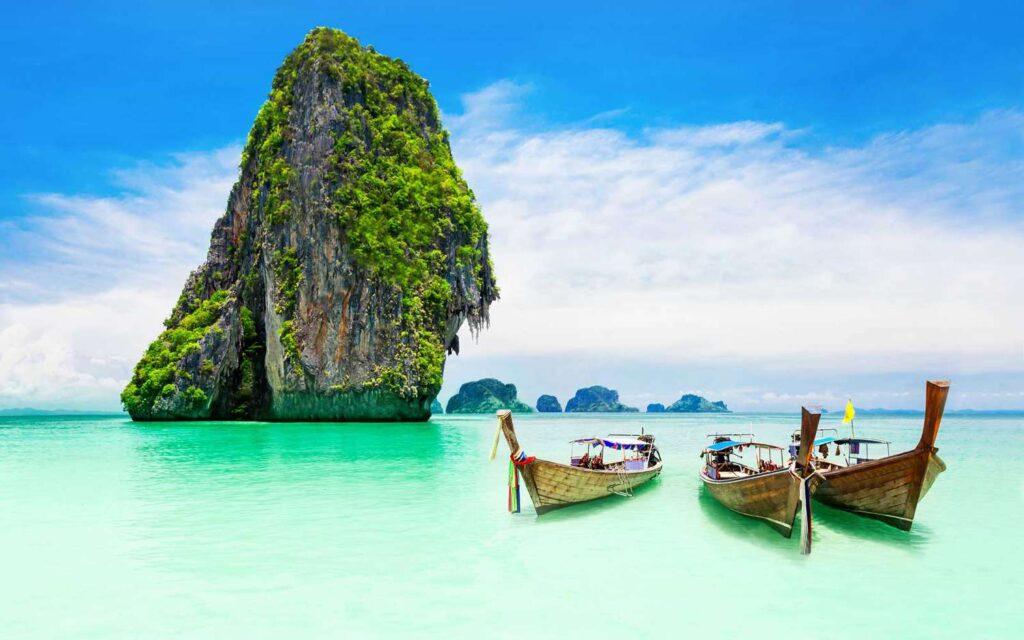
548, 404
351, 210
157, 372
690, 403
596, 399
486, 396
396, 192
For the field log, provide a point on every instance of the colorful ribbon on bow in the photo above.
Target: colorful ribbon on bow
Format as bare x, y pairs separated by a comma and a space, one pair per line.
513, 487
516, 460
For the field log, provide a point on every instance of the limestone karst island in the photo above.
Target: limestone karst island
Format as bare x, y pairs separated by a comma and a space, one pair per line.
350, 254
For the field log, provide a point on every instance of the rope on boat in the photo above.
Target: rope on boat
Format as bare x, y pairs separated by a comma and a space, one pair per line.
627, 487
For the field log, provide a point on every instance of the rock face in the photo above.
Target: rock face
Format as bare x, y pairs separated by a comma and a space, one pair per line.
548, 404
597, 400
350, 254
435, 407
486, 396
690, 403
656, 407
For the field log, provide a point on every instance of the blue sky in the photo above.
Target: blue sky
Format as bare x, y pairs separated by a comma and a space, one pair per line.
88, 89
899, 117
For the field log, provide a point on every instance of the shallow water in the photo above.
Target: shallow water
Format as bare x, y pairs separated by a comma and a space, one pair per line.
225, 530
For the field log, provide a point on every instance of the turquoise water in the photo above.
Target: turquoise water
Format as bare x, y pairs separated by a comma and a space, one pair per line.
224, 530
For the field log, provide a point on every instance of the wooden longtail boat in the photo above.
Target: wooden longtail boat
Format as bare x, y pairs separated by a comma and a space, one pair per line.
552, 485
772, 491
888, 488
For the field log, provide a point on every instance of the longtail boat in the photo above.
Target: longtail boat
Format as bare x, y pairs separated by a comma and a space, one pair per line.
589, 476
772, 491
887, 488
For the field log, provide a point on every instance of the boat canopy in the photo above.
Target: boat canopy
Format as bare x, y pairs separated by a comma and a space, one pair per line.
725, 444
624, 443
858, 441
825, 440
614, 443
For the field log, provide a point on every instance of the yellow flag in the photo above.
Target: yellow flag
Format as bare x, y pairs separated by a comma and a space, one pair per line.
850, 413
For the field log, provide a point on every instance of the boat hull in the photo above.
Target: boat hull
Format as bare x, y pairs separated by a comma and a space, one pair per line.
888, 489
773, 497
552, 485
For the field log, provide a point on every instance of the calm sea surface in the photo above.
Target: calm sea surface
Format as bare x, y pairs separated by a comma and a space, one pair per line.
110, 529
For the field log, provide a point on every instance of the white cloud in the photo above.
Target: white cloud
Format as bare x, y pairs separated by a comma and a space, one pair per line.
150, 233
76, 353
717, 135
702, 243
93, 277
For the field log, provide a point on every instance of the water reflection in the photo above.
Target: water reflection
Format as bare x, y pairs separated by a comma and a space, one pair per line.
594, 508
869, 529
741, 527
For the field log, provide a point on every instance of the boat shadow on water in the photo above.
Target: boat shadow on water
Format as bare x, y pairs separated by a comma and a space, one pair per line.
595, 508
741, 527
868, 529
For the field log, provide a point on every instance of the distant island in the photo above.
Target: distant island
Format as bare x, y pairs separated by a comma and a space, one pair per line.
548, 404
597, 399
435, 407
690, 403
486, 396
655, 407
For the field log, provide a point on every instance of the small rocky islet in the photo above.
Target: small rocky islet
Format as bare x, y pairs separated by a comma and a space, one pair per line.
486, 396
548, 404
350, 254
597, 399
690, 403
489, 395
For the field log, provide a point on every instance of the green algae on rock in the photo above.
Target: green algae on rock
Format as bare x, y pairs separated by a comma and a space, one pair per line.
486, 396
350, 254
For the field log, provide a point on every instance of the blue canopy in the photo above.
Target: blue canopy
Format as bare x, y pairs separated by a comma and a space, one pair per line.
825, 440
617, 443
727, 444
624, 443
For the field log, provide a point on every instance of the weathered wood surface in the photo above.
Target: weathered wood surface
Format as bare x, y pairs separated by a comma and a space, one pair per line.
773, 496
889, 489
552, 485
